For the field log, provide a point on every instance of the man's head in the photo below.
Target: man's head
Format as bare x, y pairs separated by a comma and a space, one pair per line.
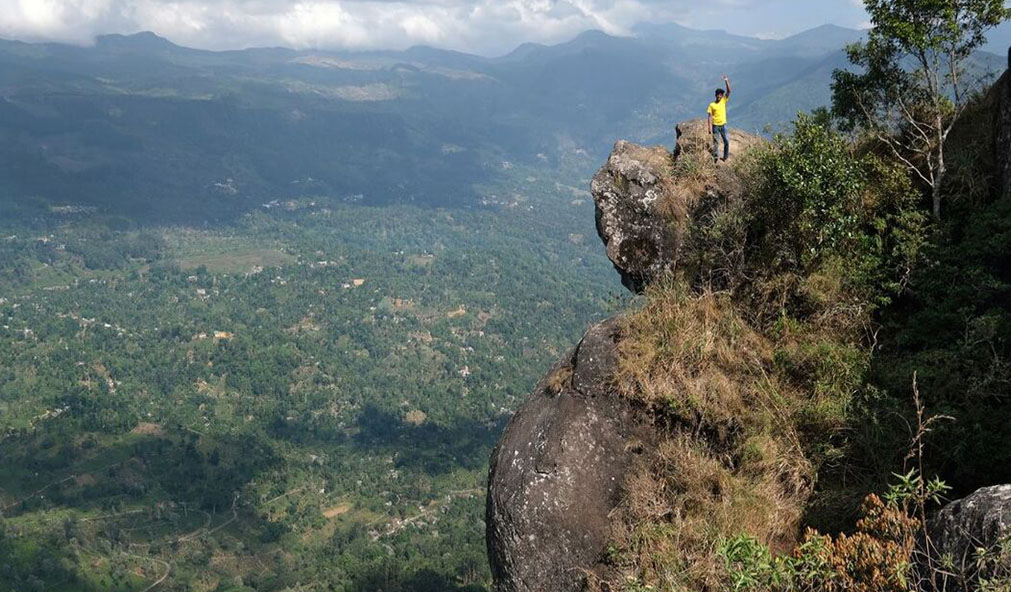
719, 93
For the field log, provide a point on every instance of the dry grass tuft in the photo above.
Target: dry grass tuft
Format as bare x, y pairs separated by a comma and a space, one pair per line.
738, 422
692, 174
694, 182
693, 346
559, 379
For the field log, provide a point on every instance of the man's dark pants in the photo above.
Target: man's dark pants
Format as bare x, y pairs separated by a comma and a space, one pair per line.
720, 131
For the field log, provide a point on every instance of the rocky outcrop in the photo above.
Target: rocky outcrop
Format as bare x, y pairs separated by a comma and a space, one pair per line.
695, 135
980, 521
638, 213
639, 240
556, 472
559, 472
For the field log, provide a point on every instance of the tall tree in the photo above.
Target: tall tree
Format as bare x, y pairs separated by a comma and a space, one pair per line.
912, 83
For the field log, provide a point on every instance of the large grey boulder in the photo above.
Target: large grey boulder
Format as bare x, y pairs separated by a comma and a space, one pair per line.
557, 472
639, 238
980, 521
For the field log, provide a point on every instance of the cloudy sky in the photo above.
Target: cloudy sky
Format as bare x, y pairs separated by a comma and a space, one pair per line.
480, 26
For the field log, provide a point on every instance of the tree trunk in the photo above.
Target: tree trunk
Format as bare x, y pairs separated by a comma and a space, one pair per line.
935, 189
935, 193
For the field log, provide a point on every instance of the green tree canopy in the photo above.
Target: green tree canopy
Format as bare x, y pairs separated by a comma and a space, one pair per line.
912, 81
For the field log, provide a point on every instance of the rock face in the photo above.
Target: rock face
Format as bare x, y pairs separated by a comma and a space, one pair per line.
556, 472
694, 134
633, 194
980, 520
640, 241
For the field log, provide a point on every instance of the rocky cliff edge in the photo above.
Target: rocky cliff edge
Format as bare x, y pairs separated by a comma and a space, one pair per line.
557, 472
640, 211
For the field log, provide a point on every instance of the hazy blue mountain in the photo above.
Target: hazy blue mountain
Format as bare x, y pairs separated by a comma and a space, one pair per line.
139, 125
820, 40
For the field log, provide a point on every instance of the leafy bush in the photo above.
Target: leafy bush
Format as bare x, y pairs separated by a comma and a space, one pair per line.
820, 204
876, 557
889, 551
809, 197
805, 225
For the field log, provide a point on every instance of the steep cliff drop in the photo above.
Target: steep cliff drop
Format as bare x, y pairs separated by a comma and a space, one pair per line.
568, 466
558, 471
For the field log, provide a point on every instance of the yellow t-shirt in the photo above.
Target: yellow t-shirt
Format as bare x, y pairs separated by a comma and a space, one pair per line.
718, 109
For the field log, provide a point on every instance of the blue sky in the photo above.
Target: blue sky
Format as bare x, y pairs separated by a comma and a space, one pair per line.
488, 27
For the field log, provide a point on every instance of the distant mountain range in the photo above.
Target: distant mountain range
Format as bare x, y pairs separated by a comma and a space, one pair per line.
138, 125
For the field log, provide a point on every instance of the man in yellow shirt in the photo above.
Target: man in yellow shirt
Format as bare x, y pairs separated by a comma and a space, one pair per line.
718, 120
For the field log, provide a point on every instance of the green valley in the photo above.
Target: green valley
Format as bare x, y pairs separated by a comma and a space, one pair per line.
303, 400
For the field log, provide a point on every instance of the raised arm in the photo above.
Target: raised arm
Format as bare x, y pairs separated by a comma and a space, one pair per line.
726, 81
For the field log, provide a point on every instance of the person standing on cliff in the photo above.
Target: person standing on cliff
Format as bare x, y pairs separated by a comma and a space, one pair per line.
718, 120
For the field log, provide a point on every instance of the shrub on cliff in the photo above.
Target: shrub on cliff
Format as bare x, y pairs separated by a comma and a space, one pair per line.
805, 205
819, 201
892, 549
874, 558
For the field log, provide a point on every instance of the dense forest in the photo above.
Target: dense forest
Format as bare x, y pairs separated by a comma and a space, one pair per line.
303, 400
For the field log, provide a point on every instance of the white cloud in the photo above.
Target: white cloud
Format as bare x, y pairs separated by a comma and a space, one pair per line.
319, 24
483, 26
52, 19
418, 26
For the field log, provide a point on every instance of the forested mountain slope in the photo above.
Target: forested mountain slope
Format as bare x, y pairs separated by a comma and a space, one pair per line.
138, 125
